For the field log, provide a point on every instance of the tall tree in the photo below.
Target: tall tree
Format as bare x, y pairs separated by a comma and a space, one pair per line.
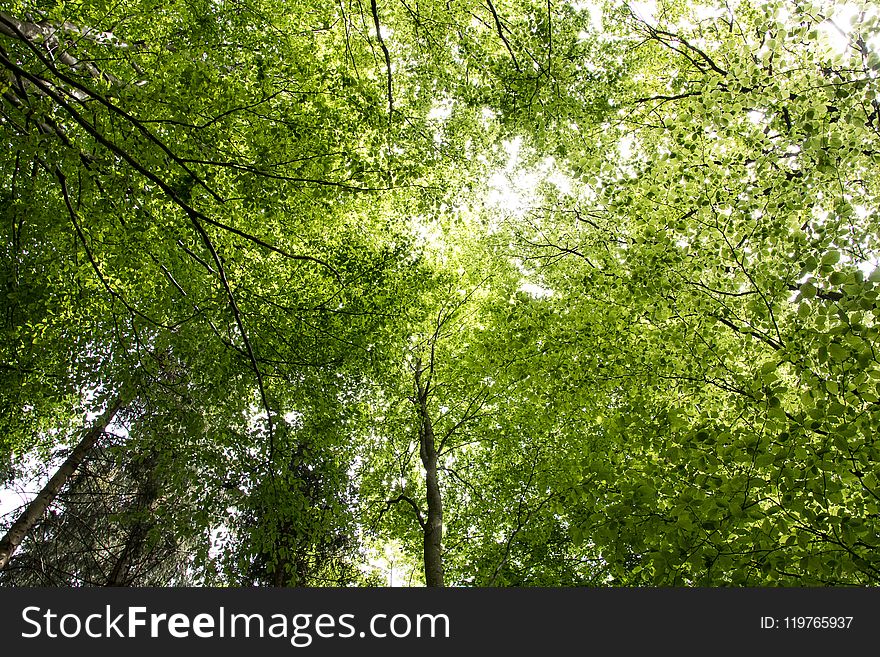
37, 507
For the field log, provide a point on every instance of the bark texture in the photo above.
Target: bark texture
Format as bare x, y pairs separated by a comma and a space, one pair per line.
433, 527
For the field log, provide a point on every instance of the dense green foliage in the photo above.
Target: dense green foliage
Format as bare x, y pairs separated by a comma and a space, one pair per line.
591, 290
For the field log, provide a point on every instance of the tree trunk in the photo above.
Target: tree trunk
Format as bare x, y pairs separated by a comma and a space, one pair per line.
147, 494
433, 528
35, 510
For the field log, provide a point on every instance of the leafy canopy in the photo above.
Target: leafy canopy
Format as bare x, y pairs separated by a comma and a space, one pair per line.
632, 250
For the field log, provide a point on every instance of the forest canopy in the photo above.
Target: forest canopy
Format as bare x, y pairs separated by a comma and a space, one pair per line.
471, 293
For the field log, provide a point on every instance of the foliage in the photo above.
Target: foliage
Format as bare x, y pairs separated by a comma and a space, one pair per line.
594, 284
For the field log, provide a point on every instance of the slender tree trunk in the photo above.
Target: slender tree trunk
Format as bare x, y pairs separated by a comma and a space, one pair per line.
433, 528
148, 493
120, 574
35, 510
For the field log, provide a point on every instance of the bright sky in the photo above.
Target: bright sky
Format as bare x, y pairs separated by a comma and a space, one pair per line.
21, 492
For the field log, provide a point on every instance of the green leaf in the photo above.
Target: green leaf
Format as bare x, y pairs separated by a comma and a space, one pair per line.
808, 290
831, 258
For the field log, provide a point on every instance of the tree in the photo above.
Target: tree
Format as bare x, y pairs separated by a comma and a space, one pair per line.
726, 253
110, 526
106, 110
545, 293
46, 496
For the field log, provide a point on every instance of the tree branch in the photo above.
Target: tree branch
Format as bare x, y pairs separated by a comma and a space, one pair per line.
404, 498
501, 34
385, 52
